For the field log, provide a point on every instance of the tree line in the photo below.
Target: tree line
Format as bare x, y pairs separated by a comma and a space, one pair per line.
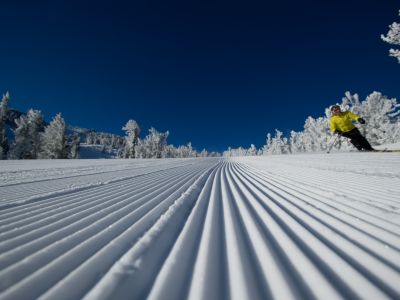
32, 137
383, 127
28, 136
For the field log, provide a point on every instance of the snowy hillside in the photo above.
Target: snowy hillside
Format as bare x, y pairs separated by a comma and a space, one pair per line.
95, 152
283, 227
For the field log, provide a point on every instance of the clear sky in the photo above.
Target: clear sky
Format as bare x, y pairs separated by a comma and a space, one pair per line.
216, 73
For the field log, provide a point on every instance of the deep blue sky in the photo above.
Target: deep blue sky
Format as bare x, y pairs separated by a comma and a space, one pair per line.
216, 73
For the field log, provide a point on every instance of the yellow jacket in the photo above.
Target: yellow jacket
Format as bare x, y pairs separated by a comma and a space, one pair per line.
343, 121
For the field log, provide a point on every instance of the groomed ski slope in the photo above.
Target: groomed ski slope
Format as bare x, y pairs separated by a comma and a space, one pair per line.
277, 227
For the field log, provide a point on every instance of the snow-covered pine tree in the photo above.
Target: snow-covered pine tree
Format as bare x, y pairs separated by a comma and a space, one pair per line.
4, 147
132, 130
36, 127
53, 140
140, 150
227, 153
27, 135
182, 151
279, 144
239, 152
381, 116
156, 142
393, 37
266, 149
317, 134
348, 101
296, 142
191, 152
204, 153
170, 151
75, 147
252, 151
20, 147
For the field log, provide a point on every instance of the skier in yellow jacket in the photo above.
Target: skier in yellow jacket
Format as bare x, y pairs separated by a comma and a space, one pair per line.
341, 123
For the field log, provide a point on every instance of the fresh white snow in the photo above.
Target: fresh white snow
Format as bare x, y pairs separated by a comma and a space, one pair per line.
323, 226
394, 146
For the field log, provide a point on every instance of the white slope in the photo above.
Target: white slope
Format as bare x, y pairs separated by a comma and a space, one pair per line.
395, 146
283, 227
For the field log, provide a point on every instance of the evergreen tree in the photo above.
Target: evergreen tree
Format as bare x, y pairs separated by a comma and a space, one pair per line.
276, 145
252, 151
393, 37
53, 140
4, 147
382, 118
155, 143
75, 147
227, 153
296, 142
279, 143
190, 151
20, 147
132, 130
204, 153
27, 135
36, 127
141, 151
316, 133
266, 148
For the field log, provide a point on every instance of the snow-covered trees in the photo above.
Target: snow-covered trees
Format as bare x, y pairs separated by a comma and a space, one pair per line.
277, 144
203, 153
185, 151
74, 147
297, 142
54, 140
27, 135
3, 118
132, 130
383, 126
154, 144
27, 139
24, 136
251, 151
381, 113
316, 134
111, 143
393, 37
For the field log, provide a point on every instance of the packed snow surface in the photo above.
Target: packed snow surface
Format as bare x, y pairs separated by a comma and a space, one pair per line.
323, 226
